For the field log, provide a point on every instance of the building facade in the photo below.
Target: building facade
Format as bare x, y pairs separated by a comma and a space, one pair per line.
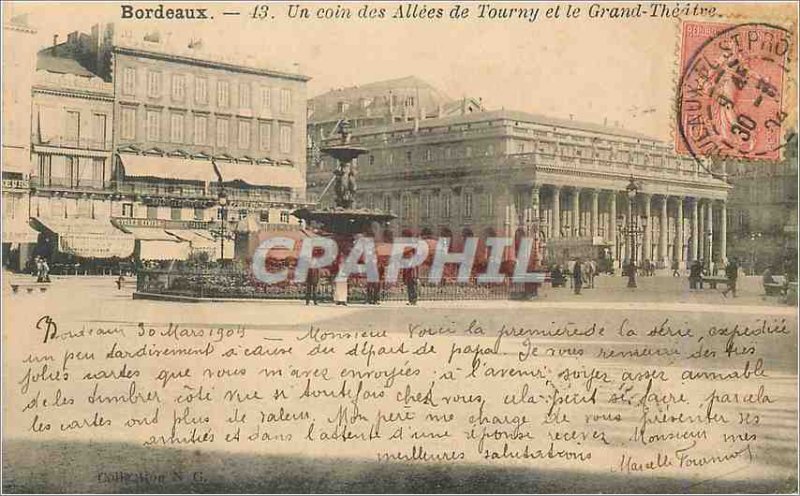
763, 212
136, 142
505, 173
19, 59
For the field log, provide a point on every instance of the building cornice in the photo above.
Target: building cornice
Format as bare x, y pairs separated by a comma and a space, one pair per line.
138, 52
74, 93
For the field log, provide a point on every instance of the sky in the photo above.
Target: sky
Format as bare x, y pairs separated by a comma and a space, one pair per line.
621, 71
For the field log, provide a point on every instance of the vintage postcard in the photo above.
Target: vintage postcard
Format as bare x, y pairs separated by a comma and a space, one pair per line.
399, 247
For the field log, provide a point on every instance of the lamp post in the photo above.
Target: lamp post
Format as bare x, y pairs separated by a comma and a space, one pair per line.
223, 202
754, 237
632, 230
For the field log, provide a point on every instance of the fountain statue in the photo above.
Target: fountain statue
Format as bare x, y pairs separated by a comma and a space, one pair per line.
344, 218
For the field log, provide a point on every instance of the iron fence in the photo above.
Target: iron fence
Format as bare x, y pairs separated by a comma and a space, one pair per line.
240, 284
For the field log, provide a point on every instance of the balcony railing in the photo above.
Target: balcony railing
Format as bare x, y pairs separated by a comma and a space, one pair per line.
66, 183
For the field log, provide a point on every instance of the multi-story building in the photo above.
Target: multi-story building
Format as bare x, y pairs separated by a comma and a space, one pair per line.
506, 173
763, 212
19, 59
149, 136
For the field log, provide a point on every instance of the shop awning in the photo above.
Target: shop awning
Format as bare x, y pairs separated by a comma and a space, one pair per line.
261, 175
175, 168
163, 250
18, 231
200, 240
150, 234
88, 238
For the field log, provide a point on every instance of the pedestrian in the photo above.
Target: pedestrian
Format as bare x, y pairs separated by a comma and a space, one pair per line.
39, 270
696, 275
577, 277
410, 278
120, 281
45, 270
731, 273
675, 270
312, 285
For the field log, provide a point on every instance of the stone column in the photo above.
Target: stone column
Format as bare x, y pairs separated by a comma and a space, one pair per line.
593, 227
612, 222
723, 232
710, 241
679, 255
695, 230
556, 224
630, 205
535, 214
576, 213
646, 237
662, 235
701, 229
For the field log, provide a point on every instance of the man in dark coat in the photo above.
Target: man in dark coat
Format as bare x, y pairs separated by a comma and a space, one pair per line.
696, 275
410, 277
577, 277
312, 285
731, 273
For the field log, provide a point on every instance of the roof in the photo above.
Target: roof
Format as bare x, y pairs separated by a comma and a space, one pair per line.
174, 168
375, 99
261, 175
47, 61
512, 115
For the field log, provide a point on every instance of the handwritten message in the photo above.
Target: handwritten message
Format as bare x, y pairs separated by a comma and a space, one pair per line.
615, 397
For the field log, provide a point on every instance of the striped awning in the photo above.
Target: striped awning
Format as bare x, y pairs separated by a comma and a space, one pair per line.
175, 168
88, 238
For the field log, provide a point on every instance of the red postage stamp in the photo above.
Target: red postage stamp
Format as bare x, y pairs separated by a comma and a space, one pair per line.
730, 101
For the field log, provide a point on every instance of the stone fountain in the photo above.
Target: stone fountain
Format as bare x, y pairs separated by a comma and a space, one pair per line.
344, 220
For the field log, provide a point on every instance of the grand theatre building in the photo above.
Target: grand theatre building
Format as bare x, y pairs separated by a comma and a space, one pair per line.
507, 173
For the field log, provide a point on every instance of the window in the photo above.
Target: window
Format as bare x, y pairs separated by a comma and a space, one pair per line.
286, 100
266, 98
468, 151
428, 155
100, 129
98, 169
284, 216
286, 139
390, 158
200, 130
175, 213
176, 128
201, 90
153, 84
372, 159
468, 205
45, 169
263, 216
127, 209
199, 213
265, 135
222, 132
446, 205
425, 201
406, 207
520, 147
244, 95
387, 203
178, 87
222, 94
489, 204
128, 123
153, 123
73, 127
242, 213
70, 170
244, 134
152, 212
129, 81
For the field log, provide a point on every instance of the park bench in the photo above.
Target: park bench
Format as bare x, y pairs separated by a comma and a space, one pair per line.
29, 286
712, 281
775, 288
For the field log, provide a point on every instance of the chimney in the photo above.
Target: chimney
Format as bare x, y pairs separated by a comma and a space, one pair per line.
55, 42
570, 116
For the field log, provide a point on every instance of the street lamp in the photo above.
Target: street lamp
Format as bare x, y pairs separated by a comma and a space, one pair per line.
632, 230
222, 199
754, 237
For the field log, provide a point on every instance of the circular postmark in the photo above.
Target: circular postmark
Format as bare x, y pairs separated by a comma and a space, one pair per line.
730, 102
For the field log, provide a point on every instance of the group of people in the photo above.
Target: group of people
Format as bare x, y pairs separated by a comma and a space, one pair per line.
410, 277
698, 270
42, 270
582, 272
